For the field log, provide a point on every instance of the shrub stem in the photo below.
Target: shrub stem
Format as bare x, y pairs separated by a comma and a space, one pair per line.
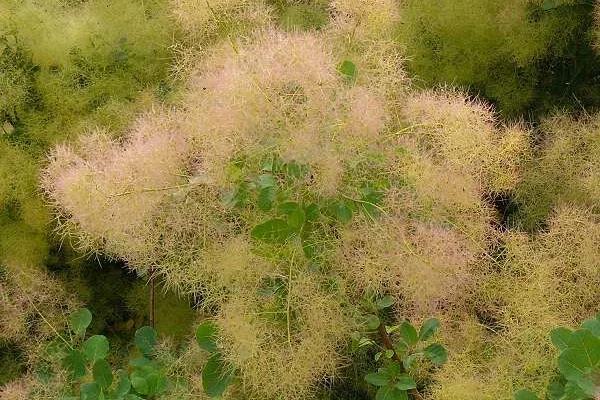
387, 343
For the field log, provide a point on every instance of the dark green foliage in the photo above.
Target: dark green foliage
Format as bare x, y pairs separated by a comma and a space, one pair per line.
174, 314
12, 362
16, 80
278, 199
216, 376
348, 70
556, 175
145, 340
206, 335
80, 320
523, 56
144, 377
402, 351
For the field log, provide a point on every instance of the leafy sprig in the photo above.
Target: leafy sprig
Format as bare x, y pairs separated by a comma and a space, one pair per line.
402, 352
578, 364
86, 360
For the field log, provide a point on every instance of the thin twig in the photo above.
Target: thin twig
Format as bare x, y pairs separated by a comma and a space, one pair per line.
47, 322
146, 190
408, 128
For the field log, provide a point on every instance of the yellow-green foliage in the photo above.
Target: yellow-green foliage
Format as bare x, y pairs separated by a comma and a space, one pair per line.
566, 171
23, 216
206, 20
299, 15
65, 66
155, 198
485, 45
15, 84
452, 155
371, 18
91, 61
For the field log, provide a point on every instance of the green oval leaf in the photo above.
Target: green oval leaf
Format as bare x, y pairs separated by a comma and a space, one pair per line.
266, 196
408, 333
102, 374
206, 336
581, 357
140, 362
555, 390
429, 328
75, 363
274, 231
139, 382
296, 219
405, 382
312, 212
80, 320
216, 376
343, 213
145, 339
377, 379
574, 392
372, 322
391, 393
348, 71
266, 181
157, 384
436, 353
385, 302
288, 207
123, 385
409, 360
96, 348
560, 338
592, 325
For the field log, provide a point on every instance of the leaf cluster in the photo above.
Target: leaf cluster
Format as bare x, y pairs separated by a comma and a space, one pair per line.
404, 351
86, 360
578, 364
281, 191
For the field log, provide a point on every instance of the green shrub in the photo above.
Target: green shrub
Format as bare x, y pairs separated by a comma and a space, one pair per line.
275, 192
